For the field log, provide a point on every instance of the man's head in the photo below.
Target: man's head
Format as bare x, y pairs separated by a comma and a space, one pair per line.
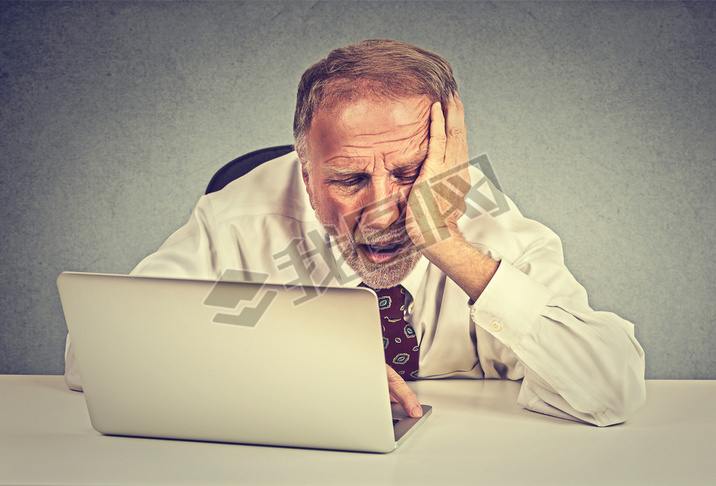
380, 68
362, 129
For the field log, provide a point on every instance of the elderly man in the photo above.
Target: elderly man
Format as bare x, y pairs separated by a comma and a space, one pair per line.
375, 195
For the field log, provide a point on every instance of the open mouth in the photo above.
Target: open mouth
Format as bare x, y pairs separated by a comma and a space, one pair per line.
383, 248
382, 253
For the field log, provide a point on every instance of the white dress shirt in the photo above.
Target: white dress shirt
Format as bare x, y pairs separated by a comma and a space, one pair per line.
532, 322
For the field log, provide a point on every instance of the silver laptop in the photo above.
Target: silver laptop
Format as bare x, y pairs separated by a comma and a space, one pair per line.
239, 362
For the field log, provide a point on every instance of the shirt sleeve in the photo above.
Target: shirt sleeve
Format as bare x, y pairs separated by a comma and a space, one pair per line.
188, 253
578, 363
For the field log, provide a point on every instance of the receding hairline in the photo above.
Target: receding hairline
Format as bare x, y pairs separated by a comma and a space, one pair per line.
379, 69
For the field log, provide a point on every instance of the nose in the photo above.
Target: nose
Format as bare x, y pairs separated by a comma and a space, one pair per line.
384, 209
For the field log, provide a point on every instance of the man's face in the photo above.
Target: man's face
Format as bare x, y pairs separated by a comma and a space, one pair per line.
364, 156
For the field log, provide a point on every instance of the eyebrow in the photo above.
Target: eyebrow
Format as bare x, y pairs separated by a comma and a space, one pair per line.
336, 170
413, 163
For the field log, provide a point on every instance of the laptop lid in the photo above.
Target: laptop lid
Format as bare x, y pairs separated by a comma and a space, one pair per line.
233, 362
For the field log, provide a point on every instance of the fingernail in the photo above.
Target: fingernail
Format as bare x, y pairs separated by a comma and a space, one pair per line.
416, 411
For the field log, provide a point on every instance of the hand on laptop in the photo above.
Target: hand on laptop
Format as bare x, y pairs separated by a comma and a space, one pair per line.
401, 393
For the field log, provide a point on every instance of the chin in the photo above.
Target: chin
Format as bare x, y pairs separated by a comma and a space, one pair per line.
381, 276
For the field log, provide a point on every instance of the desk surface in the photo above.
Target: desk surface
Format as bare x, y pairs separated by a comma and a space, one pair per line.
476, 435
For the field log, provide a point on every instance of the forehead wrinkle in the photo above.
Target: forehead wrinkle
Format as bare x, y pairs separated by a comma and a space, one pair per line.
359, 150
404, 152
383, 142
407, 160
351, 167
419, 125
418, 148
379, 143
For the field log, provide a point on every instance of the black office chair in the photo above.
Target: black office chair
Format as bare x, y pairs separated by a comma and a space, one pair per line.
246, 163
243, 165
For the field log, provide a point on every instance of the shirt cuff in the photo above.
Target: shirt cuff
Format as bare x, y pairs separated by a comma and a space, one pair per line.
510, 305
72, 372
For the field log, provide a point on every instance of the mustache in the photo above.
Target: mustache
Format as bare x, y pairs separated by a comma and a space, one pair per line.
395, 233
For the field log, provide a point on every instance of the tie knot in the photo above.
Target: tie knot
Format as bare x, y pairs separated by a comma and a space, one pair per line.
397, 292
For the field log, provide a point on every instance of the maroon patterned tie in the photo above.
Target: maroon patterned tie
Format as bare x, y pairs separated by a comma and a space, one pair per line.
399, 340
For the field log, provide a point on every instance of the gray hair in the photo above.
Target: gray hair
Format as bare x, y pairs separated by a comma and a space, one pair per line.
379, 68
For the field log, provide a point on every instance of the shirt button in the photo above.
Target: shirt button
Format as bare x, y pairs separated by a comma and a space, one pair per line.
495, 326
410, 307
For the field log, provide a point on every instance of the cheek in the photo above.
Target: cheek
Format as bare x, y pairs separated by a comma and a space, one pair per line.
345, 214
341, 212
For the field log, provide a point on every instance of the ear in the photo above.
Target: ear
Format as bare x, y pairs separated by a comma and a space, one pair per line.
306, 178
305, 173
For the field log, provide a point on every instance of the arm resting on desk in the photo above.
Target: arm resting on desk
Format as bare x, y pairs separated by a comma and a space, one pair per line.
534, 320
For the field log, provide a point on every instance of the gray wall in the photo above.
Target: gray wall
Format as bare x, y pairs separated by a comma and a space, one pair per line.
598, 117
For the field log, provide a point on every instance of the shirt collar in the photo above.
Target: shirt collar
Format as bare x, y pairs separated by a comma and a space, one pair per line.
415, 278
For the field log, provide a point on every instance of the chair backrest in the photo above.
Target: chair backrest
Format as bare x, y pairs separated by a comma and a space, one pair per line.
244, 164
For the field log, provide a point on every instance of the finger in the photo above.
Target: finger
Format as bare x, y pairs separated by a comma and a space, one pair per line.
402, 393
436, 146
456, 132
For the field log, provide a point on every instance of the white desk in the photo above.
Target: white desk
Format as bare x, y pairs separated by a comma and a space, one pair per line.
476, 435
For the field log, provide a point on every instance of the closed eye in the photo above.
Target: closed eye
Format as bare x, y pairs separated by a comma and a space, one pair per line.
349, 182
